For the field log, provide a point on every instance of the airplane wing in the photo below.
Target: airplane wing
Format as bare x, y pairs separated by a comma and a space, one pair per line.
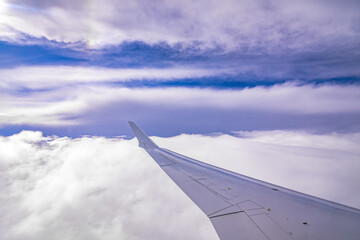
241, 207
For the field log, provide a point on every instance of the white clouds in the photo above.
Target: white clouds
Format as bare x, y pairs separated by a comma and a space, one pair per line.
61, 95
269, 25
332, 141
48, 77
67, 93
98, 188
89, 188
295, 165
282, 98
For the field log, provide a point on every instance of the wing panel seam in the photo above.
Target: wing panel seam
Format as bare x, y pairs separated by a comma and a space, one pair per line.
225, 214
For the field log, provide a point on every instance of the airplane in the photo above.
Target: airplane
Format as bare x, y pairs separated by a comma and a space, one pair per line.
244, 208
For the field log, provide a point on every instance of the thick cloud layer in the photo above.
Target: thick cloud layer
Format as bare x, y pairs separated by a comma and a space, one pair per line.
108, 188
89, 188
263, 25
96, 100
80, 96
269, 40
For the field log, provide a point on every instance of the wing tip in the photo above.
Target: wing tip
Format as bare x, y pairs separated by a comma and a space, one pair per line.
144, 141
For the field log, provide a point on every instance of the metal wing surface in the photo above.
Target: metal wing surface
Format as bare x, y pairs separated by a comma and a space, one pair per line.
241, 207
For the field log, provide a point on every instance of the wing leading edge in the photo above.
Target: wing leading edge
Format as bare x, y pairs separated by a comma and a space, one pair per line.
241, 207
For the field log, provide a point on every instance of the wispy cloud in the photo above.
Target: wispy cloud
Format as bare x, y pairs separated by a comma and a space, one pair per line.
36, 77
107, 188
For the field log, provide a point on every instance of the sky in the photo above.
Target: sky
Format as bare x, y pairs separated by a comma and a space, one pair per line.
276, 75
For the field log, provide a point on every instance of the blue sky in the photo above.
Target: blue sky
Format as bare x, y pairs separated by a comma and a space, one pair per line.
57, 58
